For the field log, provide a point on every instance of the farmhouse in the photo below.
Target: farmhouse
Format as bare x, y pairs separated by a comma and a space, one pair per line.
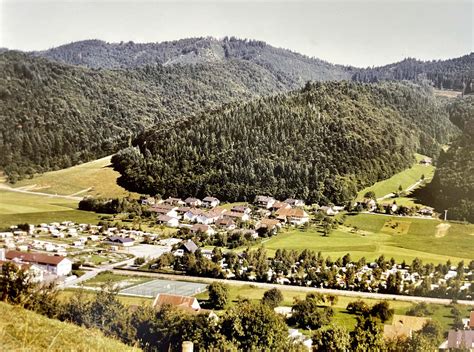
192, 214
226, 224
164, 209
280, 205
56, 265
35, 272
241, 209
236, 216
210, 202
295, 216
184, 302
271, 225
189, 247
193, 202
265, 201
120, 241
168, 221
201, 228
328, 210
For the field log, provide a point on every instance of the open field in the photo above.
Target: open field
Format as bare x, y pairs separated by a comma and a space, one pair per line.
23, 330
405, 178
18, 208
121, 281
372, 235
94, 178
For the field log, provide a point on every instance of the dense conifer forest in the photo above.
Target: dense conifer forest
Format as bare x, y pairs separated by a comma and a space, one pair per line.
452, 187
453, 74
55, 115
321, 143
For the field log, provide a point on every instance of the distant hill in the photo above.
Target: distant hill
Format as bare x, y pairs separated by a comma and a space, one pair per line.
23, 330
321, 143
279, 62
455, 74
56, 115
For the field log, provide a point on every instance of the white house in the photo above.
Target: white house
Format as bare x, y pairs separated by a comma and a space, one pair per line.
168, 221
264, 201
57, 265
210, 202
120, 241
192, 214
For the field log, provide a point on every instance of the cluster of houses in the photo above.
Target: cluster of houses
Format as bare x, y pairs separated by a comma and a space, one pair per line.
205, 216
371, 205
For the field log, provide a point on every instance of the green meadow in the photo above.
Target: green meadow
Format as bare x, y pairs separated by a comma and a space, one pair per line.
367, 235
405, 178
18, 208
96, 178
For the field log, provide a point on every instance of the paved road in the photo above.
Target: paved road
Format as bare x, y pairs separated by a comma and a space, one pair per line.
4, 187
93, 272
354, 294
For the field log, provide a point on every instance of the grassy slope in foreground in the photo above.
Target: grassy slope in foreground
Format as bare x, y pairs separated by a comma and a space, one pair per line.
422, 238
18, 208
23, 330
93, 178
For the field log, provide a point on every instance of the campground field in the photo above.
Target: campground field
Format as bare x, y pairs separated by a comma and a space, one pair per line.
369, 235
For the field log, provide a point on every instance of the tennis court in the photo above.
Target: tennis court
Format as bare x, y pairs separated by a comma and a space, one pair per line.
152, 288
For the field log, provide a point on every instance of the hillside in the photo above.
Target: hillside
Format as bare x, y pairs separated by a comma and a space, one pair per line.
279, 62
453, 183
455, 74
23, 330
55, 115
96, 178
321, 143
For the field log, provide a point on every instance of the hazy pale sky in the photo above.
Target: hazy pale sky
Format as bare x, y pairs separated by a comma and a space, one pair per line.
355, 32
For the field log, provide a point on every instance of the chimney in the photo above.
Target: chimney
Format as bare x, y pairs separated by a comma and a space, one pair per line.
187, 346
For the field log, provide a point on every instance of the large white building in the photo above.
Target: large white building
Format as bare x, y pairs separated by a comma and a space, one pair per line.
57, 265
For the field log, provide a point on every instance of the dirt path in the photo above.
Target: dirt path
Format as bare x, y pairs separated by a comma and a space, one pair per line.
4, 187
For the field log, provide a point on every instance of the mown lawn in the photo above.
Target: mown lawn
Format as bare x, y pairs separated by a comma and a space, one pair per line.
18, 208
367, 235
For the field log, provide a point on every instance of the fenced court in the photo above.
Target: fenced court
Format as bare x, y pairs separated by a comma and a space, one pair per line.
152, 288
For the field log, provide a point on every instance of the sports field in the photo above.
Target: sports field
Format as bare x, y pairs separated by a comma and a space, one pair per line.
373, 235
18, 208
152, 288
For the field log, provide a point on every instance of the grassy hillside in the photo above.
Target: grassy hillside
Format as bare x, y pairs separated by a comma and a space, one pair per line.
22, 330
94, 178
407, 178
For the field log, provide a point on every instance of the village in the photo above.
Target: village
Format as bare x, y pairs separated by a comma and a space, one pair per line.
73, 254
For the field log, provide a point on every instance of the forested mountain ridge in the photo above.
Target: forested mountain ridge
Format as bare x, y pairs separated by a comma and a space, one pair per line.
456, 74
55, 115
453, 73
278, 62
321, 143
452, 187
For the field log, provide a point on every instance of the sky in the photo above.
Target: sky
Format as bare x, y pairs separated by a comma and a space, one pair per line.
353, 32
